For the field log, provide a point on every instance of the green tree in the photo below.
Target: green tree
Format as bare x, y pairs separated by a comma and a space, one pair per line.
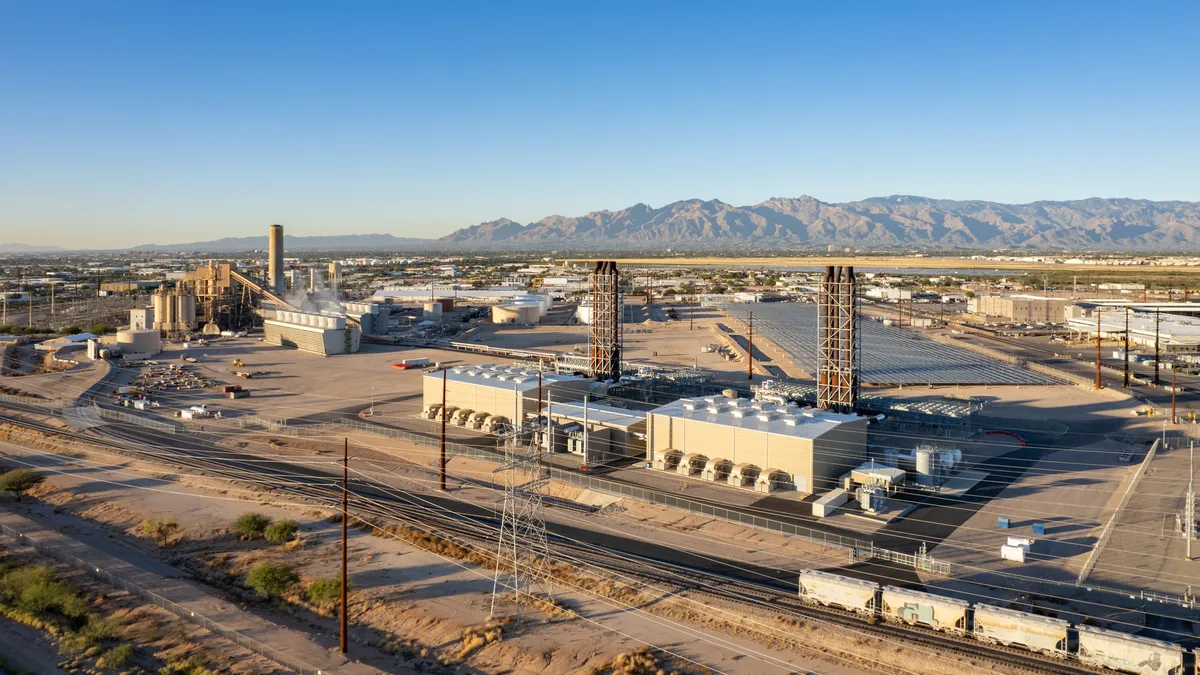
20, 481
6, 329
102, 328
70, 330
281, 531
270, 580
251, 525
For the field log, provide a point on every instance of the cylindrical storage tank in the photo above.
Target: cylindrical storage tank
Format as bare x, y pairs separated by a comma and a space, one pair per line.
139, 341
447, 304
432, 309
187, 309
946, 460
926, 466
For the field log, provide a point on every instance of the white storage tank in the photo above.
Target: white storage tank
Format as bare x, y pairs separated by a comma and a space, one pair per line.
432, 309
139, 341
515, 313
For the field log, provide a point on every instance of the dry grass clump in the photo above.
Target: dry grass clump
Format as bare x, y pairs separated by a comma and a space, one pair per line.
640, 662
479, 637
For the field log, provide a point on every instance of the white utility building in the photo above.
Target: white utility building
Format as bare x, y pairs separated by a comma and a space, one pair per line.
315, 333
499, 390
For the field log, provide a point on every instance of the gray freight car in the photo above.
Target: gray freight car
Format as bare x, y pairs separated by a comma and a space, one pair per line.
1021, 629
1129, 653
935, 611
838, 591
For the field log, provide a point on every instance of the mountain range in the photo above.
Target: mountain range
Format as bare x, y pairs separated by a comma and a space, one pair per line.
893, 222
882, 222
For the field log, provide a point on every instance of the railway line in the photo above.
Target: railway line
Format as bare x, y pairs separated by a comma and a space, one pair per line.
474, 525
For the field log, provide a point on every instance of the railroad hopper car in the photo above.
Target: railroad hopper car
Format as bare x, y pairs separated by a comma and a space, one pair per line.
933, 611
1021, 629
1129, 653
838, 591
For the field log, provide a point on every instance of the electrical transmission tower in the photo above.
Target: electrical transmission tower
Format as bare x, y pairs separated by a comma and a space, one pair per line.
523, 553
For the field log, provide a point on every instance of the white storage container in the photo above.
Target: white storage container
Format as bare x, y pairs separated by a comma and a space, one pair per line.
1013, 553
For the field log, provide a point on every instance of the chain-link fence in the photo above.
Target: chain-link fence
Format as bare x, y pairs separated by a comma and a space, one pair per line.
157, 600
620, 489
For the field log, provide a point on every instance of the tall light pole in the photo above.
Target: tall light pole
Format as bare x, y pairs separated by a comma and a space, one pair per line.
750, 351
1126, 351
1157, 317
1098, 385
345, 638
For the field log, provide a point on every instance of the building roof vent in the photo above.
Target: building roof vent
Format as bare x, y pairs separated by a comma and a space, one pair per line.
689, 405
790, 421
713, 409
738, 412
764, 416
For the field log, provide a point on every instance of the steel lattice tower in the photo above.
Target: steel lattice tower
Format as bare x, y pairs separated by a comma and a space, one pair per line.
604, 338
523, 552
837, 341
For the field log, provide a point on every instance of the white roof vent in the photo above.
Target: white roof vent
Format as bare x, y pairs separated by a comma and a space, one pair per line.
790, 421
764, 416
810, 412
710, 399
689, 405
738, 412
713, 409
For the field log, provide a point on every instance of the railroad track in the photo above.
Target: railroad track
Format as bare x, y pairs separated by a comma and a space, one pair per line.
303, 482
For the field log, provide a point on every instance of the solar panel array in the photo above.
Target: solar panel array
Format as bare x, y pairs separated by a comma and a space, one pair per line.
889, 355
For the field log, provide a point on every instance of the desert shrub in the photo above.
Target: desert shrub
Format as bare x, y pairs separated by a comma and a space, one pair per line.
117, 656
159, 530
193, 665
325, 592
281, 531
33, 592
88, 639
70, 330
102, 329
269, 580
20, 481
251, 525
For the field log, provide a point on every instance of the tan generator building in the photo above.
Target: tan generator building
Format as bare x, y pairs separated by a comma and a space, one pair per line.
475, 394
1023, 308
755, 445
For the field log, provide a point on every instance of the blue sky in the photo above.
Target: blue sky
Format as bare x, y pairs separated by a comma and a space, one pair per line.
130, 122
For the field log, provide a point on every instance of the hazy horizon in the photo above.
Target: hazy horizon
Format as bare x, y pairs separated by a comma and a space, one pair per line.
144, 123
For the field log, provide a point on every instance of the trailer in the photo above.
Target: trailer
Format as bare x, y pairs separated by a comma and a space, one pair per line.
914, 607
1128, 653
835, 590
1021, 629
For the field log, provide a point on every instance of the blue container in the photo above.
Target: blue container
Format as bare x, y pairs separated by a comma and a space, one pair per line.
1039, 529
1002, 522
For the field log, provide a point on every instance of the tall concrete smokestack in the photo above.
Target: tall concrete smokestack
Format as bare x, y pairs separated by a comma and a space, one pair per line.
275, 258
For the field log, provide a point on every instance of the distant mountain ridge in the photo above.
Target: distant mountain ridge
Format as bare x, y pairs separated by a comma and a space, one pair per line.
898, 221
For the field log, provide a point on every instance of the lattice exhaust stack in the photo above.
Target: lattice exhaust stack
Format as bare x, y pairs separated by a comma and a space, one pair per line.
605, 334
837, 341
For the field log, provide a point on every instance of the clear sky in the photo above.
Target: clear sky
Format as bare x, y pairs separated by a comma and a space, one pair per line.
130, 122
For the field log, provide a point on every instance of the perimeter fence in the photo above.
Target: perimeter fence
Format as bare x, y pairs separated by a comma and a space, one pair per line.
859, 547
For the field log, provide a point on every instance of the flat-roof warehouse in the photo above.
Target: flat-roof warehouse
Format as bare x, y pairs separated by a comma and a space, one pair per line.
755, 444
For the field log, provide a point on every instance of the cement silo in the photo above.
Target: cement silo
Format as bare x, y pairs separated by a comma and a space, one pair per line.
275, 258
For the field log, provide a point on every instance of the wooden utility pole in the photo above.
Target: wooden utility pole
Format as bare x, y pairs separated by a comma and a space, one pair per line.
1098, 385
442, 473
750, 351
1126, 346
345, 639
692, 314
